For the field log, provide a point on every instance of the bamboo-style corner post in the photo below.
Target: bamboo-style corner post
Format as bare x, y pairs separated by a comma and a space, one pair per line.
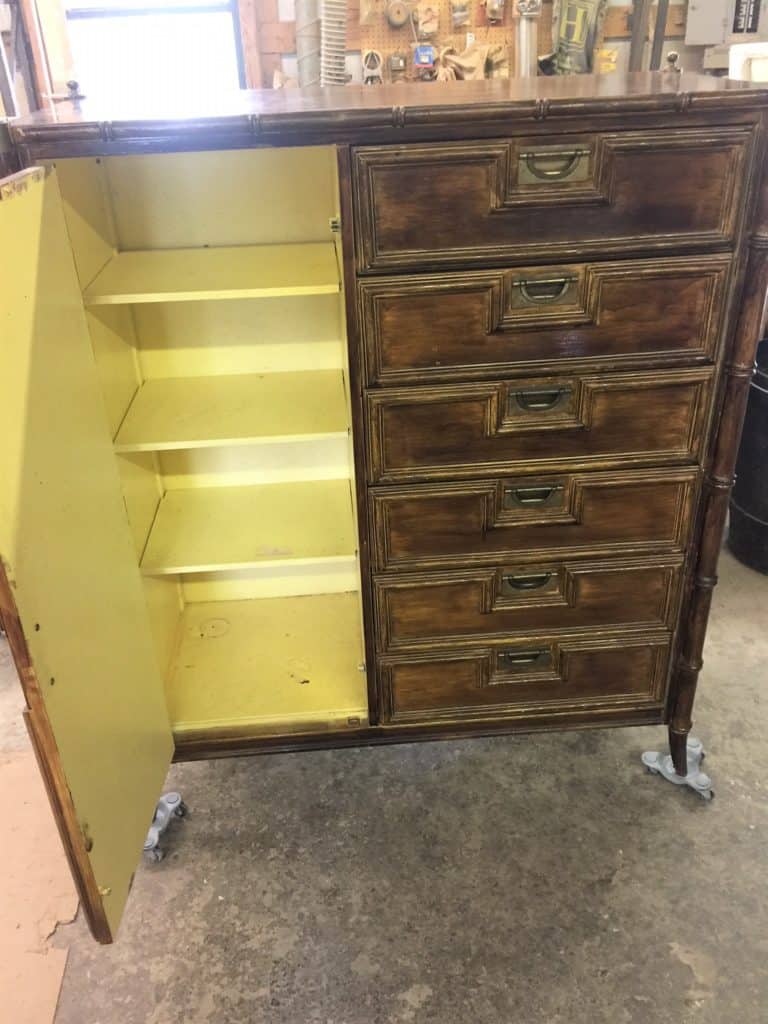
719, 475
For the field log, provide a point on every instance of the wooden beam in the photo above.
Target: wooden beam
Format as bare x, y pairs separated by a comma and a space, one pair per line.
249, 33
40, 69
619, 19
278, 37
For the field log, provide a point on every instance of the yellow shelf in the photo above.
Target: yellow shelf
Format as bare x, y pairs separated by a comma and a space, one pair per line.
231, 272
212, 529
201, 412
289, 661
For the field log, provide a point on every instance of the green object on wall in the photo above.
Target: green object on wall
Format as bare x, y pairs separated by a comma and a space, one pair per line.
575, 29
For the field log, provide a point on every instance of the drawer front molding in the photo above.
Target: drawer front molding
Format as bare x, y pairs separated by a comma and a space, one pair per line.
440, 525
467, 202
526, 679
440, 327
550, 424
491, 605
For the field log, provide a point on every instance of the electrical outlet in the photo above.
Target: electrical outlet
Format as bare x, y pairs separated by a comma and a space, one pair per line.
470, 38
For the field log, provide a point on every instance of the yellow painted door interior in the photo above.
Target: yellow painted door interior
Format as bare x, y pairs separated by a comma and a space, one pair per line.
213, 292
94, 691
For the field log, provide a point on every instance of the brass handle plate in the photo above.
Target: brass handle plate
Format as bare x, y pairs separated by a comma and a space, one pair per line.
539, 165
527, 659
530, 581
539, 399
538, 496
544, 290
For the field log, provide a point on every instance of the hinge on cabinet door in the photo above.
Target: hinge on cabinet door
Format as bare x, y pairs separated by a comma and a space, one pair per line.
335, 224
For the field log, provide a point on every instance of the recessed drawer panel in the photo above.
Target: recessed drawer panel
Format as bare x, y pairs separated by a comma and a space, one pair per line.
509, 426
485, 322
491, 605
526, 679
423, 526
491, 201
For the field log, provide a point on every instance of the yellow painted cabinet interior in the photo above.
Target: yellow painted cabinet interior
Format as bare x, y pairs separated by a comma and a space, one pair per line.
177, 501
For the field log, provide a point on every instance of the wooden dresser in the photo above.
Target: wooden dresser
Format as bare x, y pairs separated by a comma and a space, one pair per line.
365, 416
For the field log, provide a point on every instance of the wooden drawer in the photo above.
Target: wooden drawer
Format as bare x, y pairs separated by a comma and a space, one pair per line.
550, 423
435, 525
490, 605
536, 319
491, 201
527, 679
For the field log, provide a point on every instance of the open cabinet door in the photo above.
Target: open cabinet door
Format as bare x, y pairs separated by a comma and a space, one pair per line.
70, 592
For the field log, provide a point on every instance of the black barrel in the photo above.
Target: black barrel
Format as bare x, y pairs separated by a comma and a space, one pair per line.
748, 531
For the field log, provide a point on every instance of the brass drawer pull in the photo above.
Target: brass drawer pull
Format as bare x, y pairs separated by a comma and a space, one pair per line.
542, 291
540, 400
531, 496
571, 160
524, 659
532, 582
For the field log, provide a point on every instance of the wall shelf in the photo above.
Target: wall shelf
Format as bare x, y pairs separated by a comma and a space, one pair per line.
200, 412
212, 529
229, 272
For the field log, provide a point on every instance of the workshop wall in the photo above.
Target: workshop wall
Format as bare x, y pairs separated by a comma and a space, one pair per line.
269, 26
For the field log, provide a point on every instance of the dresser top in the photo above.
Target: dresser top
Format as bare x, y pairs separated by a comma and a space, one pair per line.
355, 113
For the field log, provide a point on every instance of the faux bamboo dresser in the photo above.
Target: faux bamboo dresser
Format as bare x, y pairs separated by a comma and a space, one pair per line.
365, 416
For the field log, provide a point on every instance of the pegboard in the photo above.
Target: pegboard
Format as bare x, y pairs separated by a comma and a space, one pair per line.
377, 34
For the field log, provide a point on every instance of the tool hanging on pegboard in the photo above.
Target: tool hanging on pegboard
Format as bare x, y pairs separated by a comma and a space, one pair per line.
494, 11
459, 13
397, 14
372, 68
398, 66
424, 59
443, 29
427, 20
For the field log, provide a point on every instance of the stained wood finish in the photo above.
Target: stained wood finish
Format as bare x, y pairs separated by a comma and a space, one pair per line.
492, 605
575, 195
530, 678
473, 324
48, 759
389, 113
546, 423
356, 381
521, 519
717, 488
238, 741
671, 169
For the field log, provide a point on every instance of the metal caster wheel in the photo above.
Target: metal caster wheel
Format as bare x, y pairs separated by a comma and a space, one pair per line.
657, 763
169, 806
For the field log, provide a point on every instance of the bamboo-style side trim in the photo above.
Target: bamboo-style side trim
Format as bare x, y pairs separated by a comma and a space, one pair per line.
9, 158
717, 488
355, 356
49, 762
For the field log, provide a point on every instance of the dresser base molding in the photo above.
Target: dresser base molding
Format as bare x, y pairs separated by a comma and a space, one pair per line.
658, 763
233, 742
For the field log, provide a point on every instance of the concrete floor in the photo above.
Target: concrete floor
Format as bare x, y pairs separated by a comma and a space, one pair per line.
529, 880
